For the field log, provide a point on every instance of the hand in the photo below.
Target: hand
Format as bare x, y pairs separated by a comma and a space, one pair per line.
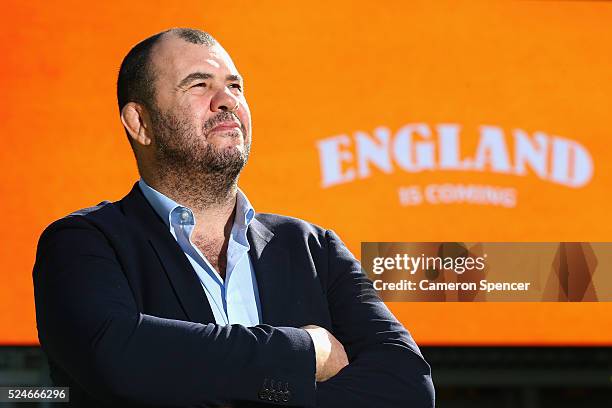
330, 353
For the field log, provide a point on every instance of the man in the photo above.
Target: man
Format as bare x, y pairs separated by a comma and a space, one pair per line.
181, 295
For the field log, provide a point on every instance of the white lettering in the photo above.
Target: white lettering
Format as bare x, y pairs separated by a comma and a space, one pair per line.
572, 165
413, 148
331, 158
492, 150
530, 151
373, 152
413, 160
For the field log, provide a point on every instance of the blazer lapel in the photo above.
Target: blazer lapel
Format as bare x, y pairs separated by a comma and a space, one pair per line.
181, 275
272, 265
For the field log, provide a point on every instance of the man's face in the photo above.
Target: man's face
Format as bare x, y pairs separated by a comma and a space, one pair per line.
201, 119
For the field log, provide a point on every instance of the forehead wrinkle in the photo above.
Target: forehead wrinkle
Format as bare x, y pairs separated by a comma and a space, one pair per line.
178, 60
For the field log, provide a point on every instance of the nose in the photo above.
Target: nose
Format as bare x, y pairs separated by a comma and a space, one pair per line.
224, 101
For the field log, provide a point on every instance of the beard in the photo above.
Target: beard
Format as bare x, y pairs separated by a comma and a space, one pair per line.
193, 167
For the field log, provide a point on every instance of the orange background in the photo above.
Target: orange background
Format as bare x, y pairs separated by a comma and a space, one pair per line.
315, 70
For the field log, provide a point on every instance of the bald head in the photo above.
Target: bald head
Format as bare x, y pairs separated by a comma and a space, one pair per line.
137, 76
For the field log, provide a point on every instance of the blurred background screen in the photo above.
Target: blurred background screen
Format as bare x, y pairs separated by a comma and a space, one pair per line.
384, 121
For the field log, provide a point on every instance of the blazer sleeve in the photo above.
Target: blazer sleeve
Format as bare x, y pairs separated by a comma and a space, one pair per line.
89, 324
386, 369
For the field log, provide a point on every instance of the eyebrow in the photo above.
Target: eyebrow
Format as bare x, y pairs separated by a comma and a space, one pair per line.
205, 75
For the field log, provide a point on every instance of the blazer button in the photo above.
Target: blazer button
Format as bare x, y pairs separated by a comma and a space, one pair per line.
286, 395
265, 391
271, 391
263, 395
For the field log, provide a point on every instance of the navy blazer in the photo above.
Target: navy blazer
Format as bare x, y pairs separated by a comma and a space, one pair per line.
124, 321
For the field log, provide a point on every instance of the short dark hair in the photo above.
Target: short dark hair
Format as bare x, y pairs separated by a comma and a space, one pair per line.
136, 78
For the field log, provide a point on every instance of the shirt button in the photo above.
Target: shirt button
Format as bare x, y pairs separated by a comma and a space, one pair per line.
184, 215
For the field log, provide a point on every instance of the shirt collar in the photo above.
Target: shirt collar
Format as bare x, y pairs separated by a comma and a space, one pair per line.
164, 205
244, 210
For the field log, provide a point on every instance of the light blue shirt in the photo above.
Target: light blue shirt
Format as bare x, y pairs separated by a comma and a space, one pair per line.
234, 300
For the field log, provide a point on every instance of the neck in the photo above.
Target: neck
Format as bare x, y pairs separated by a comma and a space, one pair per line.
211, 197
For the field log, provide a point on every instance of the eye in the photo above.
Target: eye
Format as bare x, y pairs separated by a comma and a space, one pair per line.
200, 84
236, 86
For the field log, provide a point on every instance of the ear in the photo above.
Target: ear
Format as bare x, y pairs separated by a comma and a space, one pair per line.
133, 117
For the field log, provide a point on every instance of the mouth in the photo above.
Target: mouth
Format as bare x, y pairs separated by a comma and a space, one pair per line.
225, 126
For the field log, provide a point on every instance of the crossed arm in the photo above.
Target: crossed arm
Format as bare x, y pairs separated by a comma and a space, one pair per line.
89, 324
385, 368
